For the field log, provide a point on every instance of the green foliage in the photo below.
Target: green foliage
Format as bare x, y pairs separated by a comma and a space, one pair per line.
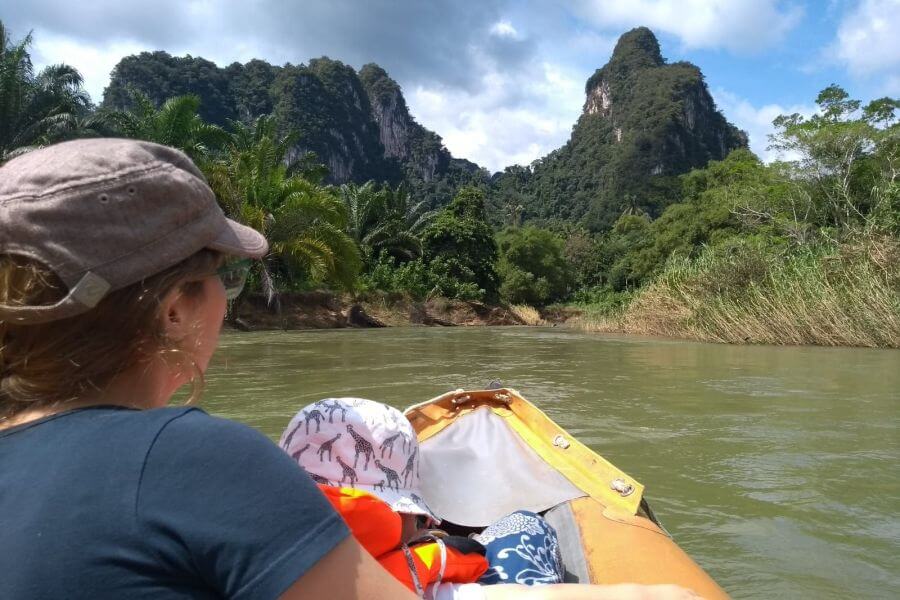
304, 221
382, 219
159, 76
532, 268
436, 187
249, 87
624, 252
718, 203
459, 243
411, 277
804, 251
36, 110
326, 103
644, 214
420, 279
847, 165
602, 301
176, 123
646, 122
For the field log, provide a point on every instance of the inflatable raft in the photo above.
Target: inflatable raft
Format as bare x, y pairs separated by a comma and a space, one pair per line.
487, 453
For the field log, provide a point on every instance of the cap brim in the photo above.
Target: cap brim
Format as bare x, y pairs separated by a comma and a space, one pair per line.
404, 501
240, 240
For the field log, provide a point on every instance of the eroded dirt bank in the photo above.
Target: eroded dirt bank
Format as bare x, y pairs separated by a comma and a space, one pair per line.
324, 310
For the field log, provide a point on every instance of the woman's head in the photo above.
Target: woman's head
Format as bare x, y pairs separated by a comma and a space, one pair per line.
49, 364
108, 256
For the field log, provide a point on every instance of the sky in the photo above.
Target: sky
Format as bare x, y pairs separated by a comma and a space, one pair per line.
501, 81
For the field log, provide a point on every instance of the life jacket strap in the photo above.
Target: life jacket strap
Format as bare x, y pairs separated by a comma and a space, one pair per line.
411, 565
437, 539
443, 548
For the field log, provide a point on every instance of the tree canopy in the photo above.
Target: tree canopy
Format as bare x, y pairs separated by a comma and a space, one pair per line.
38, 109
461, 242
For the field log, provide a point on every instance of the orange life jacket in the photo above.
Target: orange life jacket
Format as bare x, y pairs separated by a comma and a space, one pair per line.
378, 529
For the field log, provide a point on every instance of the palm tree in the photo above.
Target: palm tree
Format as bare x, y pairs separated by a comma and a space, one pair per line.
176, 123
304, 221
42, 109
246, 137
385, 220
365, 206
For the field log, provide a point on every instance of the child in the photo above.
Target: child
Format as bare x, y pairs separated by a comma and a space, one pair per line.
365, 457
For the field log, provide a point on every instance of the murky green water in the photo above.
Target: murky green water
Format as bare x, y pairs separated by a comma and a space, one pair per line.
777, 469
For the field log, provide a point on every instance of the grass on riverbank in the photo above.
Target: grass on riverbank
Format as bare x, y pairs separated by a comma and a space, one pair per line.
837, 296
527, 314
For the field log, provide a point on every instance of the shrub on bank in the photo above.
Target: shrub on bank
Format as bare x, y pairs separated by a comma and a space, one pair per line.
533, 268
420, 279
838, 295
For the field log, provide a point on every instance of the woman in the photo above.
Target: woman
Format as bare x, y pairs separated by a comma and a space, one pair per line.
115, 268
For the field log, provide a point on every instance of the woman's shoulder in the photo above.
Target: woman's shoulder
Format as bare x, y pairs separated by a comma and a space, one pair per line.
189, 418
189, 434
193, 429
185, 432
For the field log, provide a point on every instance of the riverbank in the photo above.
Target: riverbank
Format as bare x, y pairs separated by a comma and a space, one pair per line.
326, 310
844, 295
657, 312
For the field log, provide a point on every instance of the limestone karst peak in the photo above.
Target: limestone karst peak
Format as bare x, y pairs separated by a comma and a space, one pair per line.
637, 48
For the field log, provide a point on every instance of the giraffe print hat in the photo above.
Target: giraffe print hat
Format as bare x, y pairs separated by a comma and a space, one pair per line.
353, 442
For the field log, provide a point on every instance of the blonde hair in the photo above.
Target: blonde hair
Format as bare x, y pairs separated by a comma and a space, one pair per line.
49, 365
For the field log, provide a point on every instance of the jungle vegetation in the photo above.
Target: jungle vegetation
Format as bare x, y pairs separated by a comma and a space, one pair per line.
801, 250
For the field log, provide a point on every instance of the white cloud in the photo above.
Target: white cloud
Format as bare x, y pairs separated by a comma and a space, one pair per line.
504, 29
737, 25
483, 126
868, 38
94, 62
757, 121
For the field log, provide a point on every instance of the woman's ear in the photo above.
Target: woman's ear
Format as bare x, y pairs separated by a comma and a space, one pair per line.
176, 312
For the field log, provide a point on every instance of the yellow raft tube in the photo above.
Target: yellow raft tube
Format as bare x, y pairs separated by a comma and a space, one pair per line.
487, 453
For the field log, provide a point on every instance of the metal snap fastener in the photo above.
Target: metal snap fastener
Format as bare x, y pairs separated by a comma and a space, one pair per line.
623, 487
560, 441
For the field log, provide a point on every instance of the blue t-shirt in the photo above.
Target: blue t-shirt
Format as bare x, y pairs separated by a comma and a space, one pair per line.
108, 502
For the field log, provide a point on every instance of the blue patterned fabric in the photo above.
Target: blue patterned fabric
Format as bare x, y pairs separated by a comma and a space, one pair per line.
521, 548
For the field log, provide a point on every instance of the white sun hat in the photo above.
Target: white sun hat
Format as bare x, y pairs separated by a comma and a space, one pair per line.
359, 443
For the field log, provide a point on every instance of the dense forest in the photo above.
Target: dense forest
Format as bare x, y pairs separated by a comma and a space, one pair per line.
653, 218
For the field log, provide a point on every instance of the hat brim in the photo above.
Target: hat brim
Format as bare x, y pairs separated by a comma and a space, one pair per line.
240, 240
405, 501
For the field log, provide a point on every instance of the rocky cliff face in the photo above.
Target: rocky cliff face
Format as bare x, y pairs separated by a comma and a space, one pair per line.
325, 102
420, 150
599, 100
358, 124
644, 122
389, 110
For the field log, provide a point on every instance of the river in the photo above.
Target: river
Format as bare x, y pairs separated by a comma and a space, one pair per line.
775, 468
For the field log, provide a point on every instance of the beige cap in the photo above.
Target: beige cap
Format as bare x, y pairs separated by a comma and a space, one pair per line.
106, 213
